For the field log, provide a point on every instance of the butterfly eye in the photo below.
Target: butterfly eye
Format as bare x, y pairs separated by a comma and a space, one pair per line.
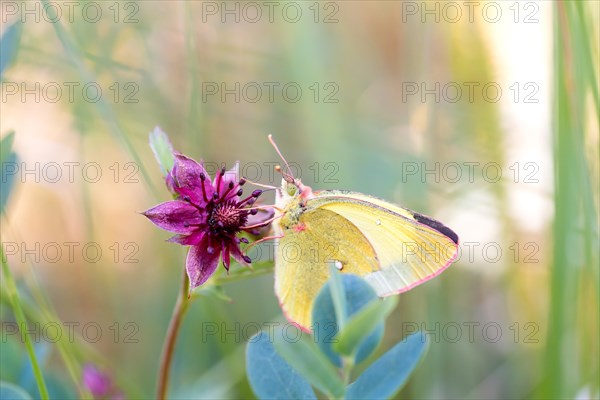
292, 190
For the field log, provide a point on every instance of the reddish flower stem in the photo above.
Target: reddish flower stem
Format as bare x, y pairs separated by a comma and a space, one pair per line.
169, 346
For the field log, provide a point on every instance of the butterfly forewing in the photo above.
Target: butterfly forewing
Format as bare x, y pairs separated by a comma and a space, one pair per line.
410, 247
392, 248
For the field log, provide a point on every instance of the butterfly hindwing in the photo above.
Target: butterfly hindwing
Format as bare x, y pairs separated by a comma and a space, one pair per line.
311, 243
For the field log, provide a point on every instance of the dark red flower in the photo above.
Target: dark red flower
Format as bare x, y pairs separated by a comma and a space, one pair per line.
208, 216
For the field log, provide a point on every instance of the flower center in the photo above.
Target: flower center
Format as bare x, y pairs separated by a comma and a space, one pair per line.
227, 217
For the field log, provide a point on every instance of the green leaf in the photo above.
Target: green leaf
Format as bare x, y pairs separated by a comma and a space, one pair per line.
388, 374
216, 291
8, 163
358, 294
338, 295
10, 391
163, 149
269, 375
360, 326
9, 44
219, 381
7, 143
10, 289
306, 358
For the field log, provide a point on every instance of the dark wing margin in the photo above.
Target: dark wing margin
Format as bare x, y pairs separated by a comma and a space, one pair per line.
438, 226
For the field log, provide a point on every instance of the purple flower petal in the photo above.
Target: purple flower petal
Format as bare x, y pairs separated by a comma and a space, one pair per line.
236, 253
192, 239
225, 255
95, 381
234, 173
202, 262
175, 216
187, 179
231, 177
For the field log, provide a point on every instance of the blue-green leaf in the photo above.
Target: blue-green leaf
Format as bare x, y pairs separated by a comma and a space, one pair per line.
13, 355
58, 389
338, 296
163, 149
27, 375
10, 391
9, 44
8, 163
360, 326
306, 358
386, 376
358, 294
269, 375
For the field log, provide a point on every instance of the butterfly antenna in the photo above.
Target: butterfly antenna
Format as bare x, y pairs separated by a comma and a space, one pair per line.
289, 177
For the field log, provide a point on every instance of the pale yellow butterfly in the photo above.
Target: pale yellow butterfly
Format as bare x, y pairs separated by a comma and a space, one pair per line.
394, 249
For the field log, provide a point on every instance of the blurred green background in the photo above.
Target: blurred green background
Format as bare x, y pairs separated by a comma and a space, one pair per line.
382, 97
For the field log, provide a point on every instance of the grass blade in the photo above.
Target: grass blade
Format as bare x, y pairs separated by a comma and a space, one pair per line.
13, 294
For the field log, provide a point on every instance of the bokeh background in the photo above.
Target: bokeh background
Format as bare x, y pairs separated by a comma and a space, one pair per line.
484, 117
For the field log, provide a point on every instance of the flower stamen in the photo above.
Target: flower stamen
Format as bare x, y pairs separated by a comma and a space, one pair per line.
231, 185
252, 197
219, 178
202, 179
188, 200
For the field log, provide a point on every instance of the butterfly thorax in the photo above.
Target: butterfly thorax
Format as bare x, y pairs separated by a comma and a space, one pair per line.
291, 198
292, 212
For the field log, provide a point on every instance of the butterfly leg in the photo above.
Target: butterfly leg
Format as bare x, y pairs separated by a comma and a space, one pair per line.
265, 223
262, 240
